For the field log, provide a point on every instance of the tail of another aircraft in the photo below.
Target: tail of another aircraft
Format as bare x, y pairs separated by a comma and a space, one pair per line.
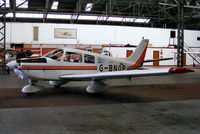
137, 57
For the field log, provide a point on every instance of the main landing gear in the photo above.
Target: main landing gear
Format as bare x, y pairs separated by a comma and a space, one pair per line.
96, 87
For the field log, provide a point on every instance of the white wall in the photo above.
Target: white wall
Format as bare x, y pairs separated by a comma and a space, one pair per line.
102, 34
191, 38
120, 52
94, 34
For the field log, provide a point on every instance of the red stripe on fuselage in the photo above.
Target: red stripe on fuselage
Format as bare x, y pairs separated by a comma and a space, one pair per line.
57, 67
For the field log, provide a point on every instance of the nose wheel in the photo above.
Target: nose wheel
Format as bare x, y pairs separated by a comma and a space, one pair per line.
29, 94
57, 86
32, 82
31, 88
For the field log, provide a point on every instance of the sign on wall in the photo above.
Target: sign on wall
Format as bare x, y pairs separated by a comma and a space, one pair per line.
65, 33
35, 33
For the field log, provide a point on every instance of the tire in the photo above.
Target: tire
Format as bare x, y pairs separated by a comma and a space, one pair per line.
57, 86
29, 94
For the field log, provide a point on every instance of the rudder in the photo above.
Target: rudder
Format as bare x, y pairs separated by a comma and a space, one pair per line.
137, 57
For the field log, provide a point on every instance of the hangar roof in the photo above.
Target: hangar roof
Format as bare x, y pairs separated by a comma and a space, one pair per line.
147, 13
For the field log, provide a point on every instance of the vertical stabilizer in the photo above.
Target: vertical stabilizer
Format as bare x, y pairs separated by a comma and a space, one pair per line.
137, 57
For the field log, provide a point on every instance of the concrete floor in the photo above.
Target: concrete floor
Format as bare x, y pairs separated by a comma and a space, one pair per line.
163, 117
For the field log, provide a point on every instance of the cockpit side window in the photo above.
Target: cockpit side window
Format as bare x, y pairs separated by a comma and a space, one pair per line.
66, 57
89, 58
72, 57
55, 55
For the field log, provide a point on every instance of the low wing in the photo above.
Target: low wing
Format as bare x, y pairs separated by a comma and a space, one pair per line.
128, 74
116, 74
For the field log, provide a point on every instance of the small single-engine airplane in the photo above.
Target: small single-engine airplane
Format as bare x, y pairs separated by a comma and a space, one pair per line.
62, 65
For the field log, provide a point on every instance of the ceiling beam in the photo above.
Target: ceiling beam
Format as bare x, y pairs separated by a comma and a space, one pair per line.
47, 6
13, 9
185, 6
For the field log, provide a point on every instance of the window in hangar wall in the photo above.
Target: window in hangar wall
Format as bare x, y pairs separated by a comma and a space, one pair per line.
35, 33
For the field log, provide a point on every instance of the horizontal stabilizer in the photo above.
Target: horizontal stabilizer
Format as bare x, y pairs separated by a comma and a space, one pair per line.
162, 59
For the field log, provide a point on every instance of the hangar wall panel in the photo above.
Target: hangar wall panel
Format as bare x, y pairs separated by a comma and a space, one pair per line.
95, 34
191, 38
133, 35
120, 52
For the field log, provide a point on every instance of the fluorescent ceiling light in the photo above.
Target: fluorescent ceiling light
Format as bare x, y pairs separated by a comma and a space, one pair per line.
54, 5
139, 20
25, 15
74, 17
29, 15
114, 19
136, 20
9, 15
88, 7
19, 2
129, 19
102, 18
7, 3
80, 17
58, 16
87, 17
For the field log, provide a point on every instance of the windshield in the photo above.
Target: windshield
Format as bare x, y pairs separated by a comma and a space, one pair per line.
55, 54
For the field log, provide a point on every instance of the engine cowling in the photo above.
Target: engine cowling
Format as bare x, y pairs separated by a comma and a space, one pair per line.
96, 87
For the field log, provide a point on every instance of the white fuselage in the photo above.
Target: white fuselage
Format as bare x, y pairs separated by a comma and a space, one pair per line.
53, 69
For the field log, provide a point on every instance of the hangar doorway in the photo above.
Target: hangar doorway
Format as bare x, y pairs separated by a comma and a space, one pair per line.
156, 56
128, 52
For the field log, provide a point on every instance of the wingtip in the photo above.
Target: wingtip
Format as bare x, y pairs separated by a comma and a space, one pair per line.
180, 70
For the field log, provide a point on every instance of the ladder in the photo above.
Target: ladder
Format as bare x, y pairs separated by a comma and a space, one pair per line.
195, 57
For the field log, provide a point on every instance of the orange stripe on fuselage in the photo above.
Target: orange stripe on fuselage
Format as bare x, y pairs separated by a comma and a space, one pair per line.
139, 61
57, 67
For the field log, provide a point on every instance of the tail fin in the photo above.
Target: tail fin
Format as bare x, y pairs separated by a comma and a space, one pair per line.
137, 57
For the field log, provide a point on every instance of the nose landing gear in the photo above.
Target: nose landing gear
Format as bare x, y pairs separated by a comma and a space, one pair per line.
32, 88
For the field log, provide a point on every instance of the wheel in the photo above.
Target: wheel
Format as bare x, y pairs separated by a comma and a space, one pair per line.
29, 94
57, 86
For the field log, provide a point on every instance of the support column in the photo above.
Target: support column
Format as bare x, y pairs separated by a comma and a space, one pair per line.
180, 43
3, 35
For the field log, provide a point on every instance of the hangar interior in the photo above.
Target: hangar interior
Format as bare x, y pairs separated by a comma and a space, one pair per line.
152, 104
114, 22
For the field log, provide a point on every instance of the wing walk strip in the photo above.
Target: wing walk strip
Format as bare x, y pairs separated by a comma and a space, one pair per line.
35, 67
